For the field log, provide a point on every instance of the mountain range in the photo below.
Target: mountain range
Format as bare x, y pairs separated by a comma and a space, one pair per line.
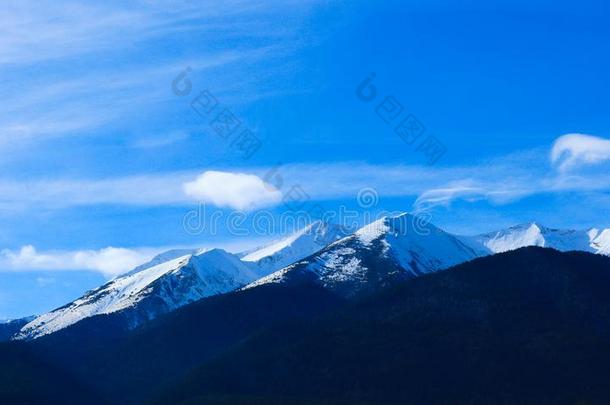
531, 323
380, 254
365, 317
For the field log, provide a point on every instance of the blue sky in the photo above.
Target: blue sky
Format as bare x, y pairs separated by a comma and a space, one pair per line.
98, 151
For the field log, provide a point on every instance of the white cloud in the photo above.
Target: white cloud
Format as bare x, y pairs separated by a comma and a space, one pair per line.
109, 261
234, 190
574, 150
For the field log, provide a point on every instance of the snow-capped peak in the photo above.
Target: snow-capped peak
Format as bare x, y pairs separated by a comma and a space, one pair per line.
404, 224
600, 241
163, 258
514, 238
419, 246
533, 234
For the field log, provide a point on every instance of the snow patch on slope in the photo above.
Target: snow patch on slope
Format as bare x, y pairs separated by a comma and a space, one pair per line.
274, 278
373, 231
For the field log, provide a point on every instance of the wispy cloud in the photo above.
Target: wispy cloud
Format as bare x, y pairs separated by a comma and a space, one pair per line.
499, 181
574, 150
77, 67
34, 31
526, 174
90, 100
475, 190
109, 261
444, 196
244, 187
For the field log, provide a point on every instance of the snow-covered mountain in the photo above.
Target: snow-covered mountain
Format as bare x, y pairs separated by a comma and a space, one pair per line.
151, 291
390, 249
179, 277
592, 240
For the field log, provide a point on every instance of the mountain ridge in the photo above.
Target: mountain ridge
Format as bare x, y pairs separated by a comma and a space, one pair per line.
378, 254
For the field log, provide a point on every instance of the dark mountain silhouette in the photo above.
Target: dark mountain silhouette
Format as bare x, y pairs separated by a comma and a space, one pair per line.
9, 328
531, 325
124, 365
27, 379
